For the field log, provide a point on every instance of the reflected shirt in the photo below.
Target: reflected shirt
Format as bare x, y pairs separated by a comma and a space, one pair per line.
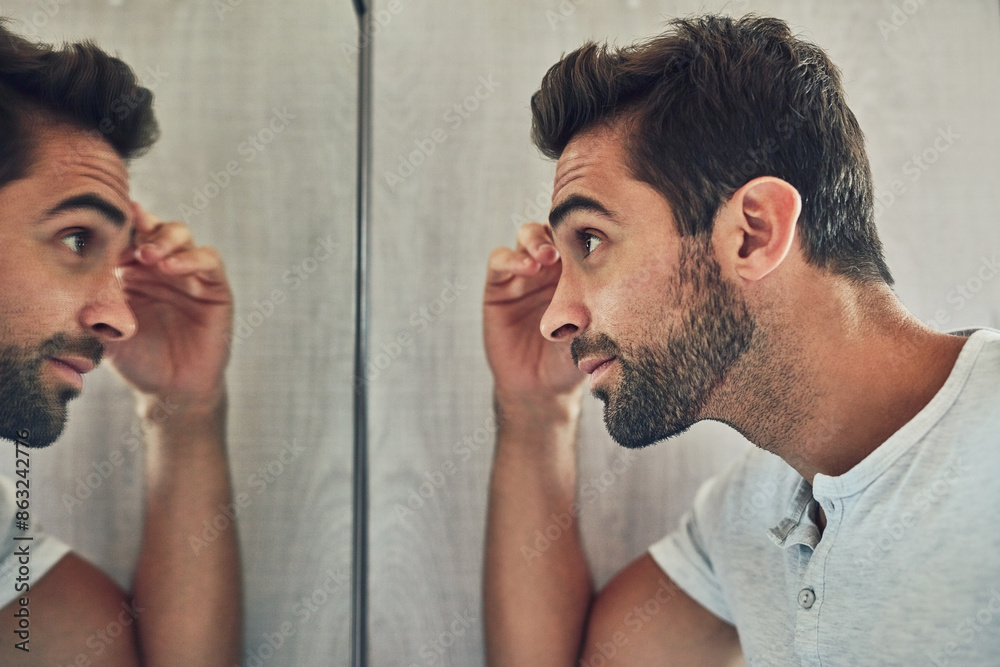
23, 561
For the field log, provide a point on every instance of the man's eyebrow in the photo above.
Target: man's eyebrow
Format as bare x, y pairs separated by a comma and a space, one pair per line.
93, 202
576, 203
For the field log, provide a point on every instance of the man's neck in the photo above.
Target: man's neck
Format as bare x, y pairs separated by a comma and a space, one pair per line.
825, 388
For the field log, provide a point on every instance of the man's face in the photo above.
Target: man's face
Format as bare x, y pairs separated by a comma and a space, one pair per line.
649, 315
64, 229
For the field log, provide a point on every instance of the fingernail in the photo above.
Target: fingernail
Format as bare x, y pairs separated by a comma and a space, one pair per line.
148, 252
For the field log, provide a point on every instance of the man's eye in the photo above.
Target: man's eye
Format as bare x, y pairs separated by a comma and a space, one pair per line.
590, 242
76, 241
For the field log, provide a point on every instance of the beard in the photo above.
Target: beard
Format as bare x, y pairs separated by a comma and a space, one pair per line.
664, 388
27, 405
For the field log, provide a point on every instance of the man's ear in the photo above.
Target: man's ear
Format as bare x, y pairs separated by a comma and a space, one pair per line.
755, 229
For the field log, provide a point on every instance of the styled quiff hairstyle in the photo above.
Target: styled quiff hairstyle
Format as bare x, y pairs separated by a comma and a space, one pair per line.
714, 103
80, 85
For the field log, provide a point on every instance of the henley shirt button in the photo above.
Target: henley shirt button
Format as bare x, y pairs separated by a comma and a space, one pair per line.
806, 598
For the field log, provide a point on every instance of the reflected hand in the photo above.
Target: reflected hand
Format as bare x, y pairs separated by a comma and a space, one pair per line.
519, 287
184, 310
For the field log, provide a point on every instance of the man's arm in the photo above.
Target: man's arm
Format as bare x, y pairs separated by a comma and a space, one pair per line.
189, 590
539, 605
537, 590
186, 603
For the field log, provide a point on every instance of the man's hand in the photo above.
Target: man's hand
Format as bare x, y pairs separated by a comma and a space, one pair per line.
519, 286
178, 355
184, 309
535, 608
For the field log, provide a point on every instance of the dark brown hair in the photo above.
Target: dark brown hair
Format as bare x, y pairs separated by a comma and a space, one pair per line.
78, 84
714, 103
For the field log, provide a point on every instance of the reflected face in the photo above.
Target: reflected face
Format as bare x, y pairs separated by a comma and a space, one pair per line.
65, 229
649, 315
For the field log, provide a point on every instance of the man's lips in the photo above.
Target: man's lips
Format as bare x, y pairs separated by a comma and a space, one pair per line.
588, 366
78, 364
71, 369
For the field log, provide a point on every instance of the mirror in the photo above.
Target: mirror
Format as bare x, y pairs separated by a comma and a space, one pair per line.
257, 109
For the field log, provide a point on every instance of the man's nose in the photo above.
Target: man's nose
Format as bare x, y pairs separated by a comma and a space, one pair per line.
107, 314
566, 317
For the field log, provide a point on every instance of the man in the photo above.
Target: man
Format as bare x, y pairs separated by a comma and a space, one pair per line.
88, 273
711, 254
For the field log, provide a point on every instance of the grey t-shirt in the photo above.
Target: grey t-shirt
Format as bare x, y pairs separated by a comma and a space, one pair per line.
908, 568
18, 568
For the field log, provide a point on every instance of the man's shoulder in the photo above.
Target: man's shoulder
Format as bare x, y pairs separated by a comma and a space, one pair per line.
754, 466
751, 494
977, 398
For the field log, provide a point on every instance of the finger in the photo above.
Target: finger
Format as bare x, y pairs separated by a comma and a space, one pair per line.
162, 241
201, 264
197, 273
144, 220
536, 240
204, 263
505, 263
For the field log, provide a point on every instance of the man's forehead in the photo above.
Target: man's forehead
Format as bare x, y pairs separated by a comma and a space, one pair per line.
66, 152
599, 147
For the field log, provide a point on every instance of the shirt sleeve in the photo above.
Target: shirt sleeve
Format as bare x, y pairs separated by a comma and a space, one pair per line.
684, 555
25, 555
